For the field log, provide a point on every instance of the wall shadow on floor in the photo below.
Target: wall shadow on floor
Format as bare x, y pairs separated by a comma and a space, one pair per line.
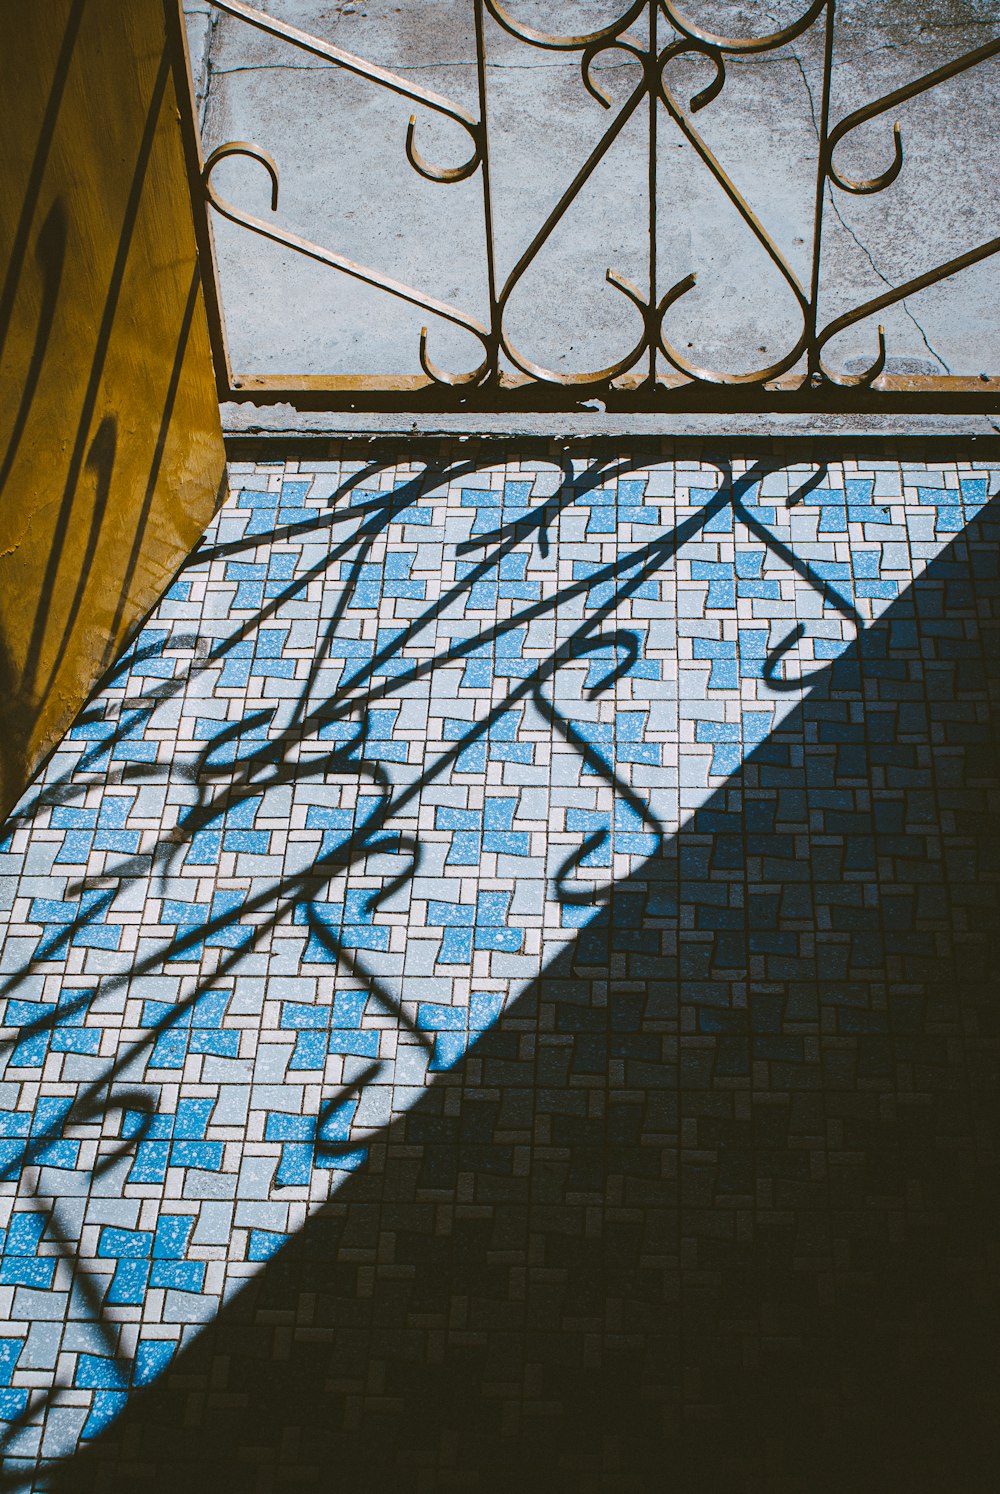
714, 1207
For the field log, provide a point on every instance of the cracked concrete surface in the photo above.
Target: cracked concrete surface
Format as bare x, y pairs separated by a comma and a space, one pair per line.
833, 203
345, 183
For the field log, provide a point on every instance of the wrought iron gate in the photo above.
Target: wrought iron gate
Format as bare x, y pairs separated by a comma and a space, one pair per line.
655, 374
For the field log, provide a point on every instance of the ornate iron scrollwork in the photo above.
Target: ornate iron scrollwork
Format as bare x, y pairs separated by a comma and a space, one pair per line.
654, 371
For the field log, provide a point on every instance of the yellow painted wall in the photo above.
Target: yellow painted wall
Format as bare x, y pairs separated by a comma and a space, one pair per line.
111, 456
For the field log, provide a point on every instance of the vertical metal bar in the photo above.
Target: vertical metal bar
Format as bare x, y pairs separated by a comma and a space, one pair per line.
494, 317
821, 178
654, 106
177, 46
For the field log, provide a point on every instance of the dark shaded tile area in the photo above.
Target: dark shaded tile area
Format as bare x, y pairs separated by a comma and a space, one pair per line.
714, 1206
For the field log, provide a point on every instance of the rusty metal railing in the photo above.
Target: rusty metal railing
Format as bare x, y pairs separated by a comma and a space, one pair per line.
655, 374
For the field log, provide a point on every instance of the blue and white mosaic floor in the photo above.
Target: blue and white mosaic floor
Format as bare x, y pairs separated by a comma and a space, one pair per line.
377, 756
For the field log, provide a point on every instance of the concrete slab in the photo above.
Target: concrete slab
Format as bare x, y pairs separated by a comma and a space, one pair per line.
345, 182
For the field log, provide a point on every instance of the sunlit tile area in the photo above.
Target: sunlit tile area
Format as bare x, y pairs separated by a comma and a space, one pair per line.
398, 740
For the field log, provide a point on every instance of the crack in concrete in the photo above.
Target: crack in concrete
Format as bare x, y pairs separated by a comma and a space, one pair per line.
210, 71
208, 67
416, 67
849, 230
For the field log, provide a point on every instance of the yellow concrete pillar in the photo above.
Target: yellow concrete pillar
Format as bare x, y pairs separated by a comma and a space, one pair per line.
111, 455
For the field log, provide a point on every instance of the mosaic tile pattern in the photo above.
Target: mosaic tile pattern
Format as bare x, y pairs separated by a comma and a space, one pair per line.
378, 760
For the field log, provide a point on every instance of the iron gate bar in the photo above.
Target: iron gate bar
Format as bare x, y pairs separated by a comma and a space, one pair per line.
783, 386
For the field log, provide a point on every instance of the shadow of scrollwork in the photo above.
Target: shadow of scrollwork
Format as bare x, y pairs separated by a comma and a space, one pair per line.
716, 1200
716, 1191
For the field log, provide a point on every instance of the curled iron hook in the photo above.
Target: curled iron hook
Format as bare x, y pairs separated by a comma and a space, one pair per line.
738, 44
441, 375
715, 376
552, 43
383, 77
595, 49
238, 148
598, 376
710, 47
712, 54
866, 185
892, 101
892, 297
854, 381
431, 173
340, 262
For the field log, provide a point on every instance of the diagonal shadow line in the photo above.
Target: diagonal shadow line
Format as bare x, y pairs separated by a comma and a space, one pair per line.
13, 756
33, 188
80, 445
156, 462
50, 252
335, 514
101, 463
380, 511
653, 556
765, 1260
295, 888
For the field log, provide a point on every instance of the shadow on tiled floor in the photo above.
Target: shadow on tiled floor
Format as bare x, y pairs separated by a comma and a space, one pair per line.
714, 1207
